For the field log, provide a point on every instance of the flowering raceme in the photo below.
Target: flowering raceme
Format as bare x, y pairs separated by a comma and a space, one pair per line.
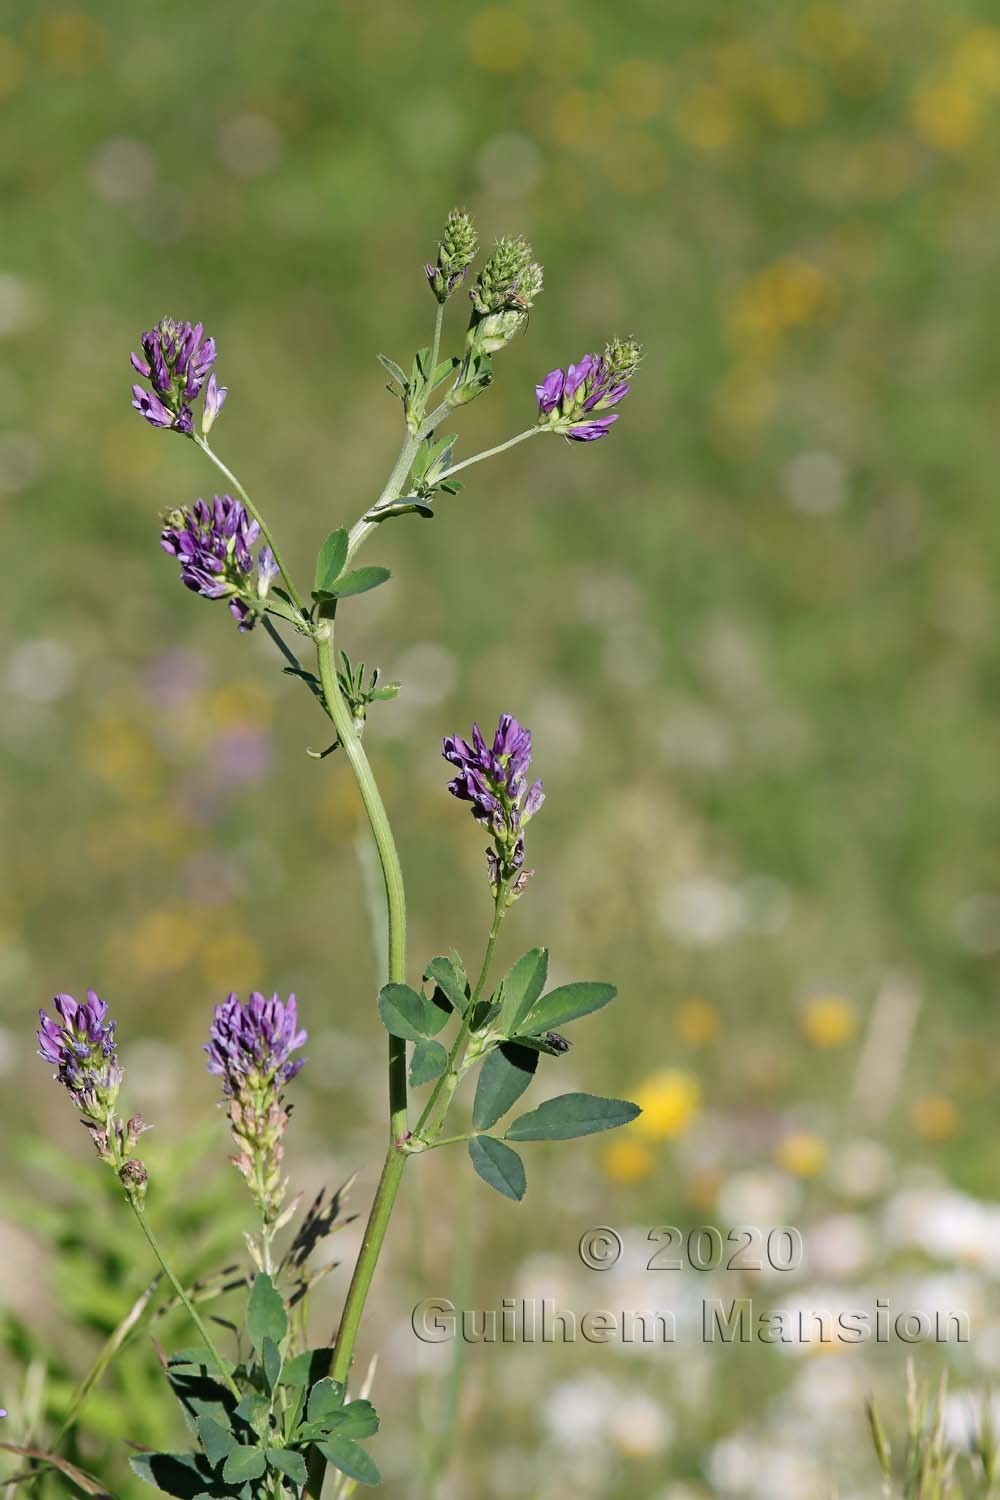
494, 778
577, 401
250, 1049
176, 359
81, 1046
213, 543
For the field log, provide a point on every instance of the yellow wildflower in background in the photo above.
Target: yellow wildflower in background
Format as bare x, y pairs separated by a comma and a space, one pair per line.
626, 1160
802, 1153
499, 40
828, 1021
935, 1117
12, 66
707, 119
669, 1102
947, 114
696, 1022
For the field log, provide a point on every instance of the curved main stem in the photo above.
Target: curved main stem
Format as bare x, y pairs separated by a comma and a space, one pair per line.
388, 855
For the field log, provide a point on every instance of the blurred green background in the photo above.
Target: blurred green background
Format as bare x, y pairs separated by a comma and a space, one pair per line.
754, 633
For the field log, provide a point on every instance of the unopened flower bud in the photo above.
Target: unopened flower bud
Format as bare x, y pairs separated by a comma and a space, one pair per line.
134, 1179
504, 291
496, 330
622, 358
456, 252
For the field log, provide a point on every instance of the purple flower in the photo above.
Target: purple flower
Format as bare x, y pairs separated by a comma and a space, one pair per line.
250, 1048
494, 779
213, 543
250, 1045
176, 359
80, 1045
267, 571
215, 397
572, 401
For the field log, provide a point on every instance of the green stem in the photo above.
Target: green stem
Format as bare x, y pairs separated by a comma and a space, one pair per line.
446, 1085
435, 345
394, 484
265, 531
452, 1140
186, 1302
392, 871
477, 458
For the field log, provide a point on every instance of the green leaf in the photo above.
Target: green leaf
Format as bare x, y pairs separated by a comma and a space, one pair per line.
186, 1475
244, 1463
358, 1419
271, 1360
331, 560
541, 1044
498, 1165
503, 1078
522, 987
325, 1398
450, 980
428, 1062
217, 1441
305, 1369
565, 1004
351, 1459
288, 1462
360, 581
255, 1411
200, 1395
277, 607
407, 1013
266, 1315
444, 369
394, 370
571, 1115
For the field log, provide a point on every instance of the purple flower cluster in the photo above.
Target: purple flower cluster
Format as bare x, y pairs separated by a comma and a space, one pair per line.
494, 779
213, 543
250, 1048
571, 399
577, 401
250, 1045
80, 1045
176, 359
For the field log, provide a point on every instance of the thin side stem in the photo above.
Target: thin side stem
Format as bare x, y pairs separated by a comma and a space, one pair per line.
446, 1085
186, 1302
436, 342
477, 458
265, 530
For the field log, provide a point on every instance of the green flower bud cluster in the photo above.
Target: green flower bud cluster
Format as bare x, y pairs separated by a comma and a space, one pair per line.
457, 250
622, 358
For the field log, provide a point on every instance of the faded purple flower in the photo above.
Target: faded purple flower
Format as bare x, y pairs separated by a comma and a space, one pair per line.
577, 401
215, 398
213, 543
267, 571
250, 1045
176, 359
494, 779
80, 1045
